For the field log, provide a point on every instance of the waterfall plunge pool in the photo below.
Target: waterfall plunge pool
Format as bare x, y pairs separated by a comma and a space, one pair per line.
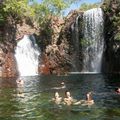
38, 90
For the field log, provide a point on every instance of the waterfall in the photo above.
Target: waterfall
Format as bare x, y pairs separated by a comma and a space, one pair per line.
27, 56
93, 40
75, 38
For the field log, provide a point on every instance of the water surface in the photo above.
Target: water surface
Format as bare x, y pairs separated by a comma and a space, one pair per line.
31, 102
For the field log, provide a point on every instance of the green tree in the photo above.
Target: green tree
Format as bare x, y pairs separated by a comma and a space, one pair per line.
48, 8
86, 6
2, 19
17, 8
39, 12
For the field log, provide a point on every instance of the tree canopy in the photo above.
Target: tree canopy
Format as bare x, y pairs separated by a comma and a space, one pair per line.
30, 8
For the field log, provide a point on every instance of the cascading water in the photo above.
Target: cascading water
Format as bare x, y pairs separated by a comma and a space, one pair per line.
27, 56
75, 38
93, 40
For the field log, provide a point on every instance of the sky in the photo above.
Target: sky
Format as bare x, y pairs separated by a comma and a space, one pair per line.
77, 5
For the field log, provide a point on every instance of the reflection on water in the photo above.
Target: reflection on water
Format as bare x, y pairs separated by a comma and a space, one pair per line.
31, 101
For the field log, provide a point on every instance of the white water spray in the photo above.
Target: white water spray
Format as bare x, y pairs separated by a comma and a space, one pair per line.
93, 40
75, 38
27, 56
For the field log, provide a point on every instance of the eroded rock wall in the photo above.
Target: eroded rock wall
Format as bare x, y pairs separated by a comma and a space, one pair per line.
54, 57
59, 53
8, 66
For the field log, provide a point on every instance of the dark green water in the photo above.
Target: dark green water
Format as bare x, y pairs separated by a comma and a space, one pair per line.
34, 104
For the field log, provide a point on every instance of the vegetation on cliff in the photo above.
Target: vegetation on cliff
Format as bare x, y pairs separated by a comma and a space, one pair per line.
86, 6
111, 10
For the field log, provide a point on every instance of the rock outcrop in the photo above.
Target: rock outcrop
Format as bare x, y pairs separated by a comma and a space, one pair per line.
8, 66
54, 58
59, 52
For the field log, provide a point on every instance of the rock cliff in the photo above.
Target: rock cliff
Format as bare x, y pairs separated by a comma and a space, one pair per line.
111, 57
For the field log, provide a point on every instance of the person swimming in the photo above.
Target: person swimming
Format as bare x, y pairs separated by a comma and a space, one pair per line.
68, 100
62, 86
57, 99
89, 99
20, 82
20, 92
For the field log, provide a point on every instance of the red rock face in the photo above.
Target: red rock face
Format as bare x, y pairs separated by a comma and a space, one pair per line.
44, 67
9, 68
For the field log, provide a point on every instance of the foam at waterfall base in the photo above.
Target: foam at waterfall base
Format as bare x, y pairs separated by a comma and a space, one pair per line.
84, 72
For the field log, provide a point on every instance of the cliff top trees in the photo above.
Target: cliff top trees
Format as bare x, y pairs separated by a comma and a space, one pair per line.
86, 6
37, 11
15, 11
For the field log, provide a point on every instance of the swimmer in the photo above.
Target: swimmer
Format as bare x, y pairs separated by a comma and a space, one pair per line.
57, 99
20, 94
60, 87
68, 100
63, 85
89, 100
20, 82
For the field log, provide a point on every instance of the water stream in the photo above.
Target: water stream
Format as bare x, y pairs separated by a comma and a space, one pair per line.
76, 42
93, 40
27, 56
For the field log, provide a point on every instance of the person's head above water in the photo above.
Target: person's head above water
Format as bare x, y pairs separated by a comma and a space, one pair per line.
56, 94
20, 81
67, 93
89, 96
57, 99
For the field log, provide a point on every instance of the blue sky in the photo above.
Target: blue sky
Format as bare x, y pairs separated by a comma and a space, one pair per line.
77, 5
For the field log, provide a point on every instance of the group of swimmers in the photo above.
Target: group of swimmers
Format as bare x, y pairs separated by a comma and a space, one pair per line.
68, 100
